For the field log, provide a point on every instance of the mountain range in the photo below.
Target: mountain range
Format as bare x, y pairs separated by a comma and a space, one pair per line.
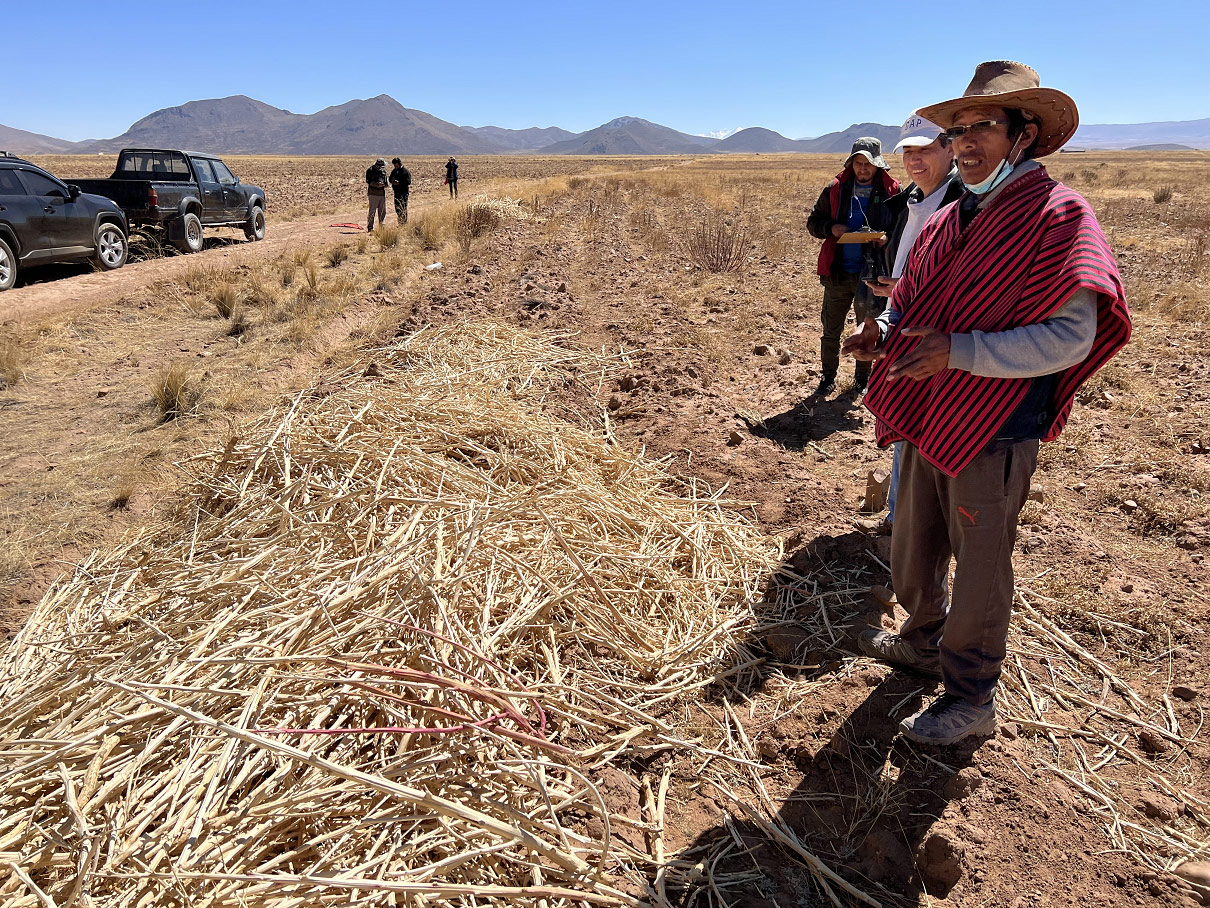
381, 125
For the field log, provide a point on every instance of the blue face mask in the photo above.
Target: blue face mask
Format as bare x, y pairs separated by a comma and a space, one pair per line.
996, 177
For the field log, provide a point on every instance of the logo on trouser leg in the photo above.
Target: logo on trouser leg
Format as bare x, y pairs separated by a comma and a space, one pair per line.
972, 517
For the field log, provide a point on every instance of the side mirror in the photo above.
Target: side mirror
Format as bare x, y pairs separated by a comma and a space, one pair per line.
73, 191
237, 181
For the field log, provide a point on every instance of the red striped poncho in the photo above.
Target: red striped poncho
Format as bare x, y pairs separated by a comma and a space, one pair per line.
1017, 263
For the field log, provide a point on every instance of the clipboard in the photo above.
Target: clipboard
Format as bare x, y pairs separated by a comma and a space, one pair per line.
861, 236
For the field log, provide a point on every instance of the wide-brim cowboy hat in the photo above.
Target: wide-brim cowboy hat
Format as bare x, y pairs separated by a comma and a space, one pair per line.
1003, 83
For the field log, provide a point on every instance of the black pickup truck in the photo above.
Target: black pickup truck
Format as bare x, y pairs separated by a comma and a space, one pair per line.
181, 192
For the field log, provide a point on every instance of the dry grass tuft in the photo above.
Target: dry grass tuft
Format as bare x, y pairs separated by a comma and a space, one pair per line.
387, 237
1162, 195
336, 256
13, 355
226, 299
175, 391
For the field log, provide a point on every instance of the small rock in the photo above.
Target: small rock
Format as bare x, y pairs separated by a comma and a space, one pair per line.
735, 438
1151, 742
1130, 505
964, 784
1184, 693
1195, 872
475, 269
562, 288
1079, 487
528, 286
436, 266
1036, 494
785, 358
103, 392
762, 350
768, 750
939, 860
1127, 587
691, 372
1010, 730
372, 370
1160, 808
615, 402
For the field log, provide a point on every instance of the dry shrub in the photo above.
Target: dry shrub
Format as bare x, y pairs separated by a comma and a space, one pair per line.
718, 244
175, 391
336, 256
1162, 195
472, 221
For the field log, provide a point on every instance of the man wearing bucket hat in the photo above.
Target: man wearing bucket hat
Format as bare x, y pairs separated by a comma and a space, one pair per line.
929, 162
376, 192
1009, 301
853, 201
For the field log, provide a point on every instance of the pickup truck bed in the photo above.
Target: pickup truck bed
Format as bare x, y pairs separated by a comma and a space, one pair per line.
181, 192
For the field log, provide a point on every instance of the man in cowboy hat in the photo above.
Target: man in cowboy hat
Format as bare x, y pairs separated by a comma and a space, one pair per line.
853, 201
1010, 299
929, 162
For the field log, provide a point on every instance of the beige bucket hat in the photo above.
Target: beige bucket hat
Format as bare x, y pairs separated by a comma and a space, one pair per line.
1003, 83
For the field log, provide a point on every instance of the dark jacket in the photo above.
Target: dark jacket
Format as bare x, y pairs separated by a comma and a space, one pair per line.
376, 180
896, 209
835, 199
451, 171
401, 180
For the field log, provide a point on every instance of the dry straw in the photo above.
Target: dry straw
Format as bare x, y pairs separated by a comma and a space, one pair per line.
378, 656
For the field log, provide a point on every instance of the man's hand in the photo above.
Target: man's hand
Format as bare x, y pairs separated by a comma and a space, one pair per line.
931, 355
864, 344
883, 287
839, 230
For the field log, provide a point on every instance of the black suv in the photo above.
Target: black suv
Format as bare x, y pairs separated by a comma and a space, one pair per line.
44, 220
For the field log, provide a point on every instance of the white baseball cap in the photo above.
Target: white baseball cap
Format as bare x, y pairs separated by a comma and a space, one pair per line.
917, 132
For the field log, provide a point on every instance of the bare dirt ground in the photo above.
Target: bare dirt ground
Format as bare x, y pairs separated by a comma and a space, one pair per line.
718, 375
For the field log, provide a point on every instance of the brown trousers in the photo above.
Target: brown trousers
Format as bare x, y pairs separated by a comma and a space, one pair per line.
839, 294
973, 518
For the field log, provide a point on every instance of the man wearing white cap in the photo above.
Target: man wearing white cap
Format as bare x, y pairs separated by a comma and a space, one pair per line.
929, 162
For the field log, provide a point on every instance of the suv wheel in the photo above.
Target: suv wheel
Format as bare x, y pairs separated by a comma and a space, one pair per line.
254, 227
111, 248
8, 266
191, 239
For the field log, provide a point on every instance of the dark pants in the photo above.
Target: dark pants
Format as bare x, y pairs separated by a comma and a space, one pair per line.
839, 294
401, 207
453, 187
973, 518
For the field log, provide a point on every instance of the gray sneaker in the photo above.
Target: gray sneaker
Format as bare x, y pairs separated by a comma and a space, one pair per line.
894, 650
948, 720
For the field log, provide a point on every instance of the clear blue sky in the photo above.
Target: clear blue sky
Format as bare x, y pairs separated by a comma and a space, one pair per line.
80, 70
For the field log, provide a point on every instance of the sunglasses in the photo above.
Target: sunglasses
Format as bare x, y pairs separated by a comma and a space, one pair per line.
978, 128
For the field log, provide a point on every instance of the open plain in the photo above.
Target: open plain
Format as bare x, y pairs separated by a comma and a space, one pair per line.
775, 777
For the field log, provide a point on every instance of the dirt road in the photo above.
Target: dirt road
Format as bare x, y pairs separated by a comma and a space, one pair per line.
76, 293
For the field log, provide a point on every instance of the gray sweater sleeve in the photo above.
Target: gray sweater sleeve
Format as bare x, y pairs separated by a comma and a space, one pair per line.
1059, 342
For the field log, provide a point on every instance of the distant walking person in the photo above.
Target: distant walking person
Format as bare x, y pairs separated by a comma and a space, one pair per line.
376, 191
401, 184
451, 177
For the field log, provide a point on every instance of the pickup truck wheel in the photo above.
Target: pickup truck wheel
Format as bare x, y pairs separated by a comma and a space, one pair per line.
254, 227
111, 248
8, 266
191, 238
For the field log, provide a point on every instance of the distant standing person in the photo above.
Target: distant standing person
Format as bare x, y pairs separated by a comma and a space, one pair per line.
451, 177
376, 191
401, 184
853, 201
